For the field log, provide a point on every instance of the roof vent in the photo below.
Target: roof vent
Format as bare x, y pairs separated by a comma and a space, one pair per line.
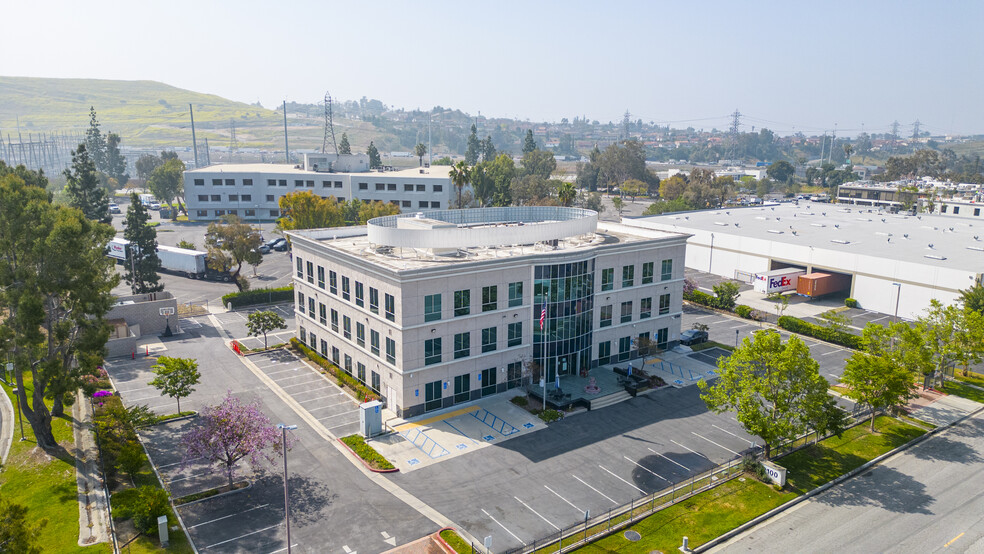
933, 257
840, 241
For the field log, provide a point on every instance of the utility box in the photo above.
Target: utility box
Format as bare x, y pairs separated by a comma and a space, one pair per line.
371, 418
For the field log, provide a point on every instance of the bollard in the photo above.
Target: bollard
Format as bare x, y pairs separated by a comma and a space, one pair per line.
133, 355
162, 530
147, 353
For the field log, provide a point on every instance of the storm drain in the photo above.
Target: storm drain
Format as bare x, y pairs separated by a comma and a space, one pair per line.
632, 535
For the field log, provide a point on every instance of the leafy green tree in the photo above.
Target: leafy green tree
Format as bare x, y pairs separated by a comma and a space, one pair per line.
28, 176
306, 210
17, 533
726, 295
375, 208
623, 161
420, 150
55, 288
973, 298
591, 201
952, 335
115, 160
540, 163
662, 207
152, 502
95, 142
472, 151
529, 143
343, 146
142, 263
83, 187
877, 376
836, 322
781, 171
444, 160
231, 243
773, 387
501, 172
130, 459
673, 188
186, 245
863, 145
633, 188
618, 204
459, 175
167, 183
566, 193
175, 377
261, 323
375, 161
488, 149
146, 165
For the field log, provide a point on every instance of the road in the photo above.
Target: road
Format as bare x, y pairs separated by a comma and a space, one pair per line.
926, 499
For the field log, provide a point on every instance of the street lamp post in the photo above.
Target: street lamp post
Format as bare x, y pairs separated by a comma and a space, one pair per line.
19, 418
736, 338
898, 294
133, 269
283, 429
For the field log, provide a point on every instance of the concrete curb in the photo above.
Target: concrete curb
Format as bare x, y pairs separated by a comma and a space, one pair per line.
365, 463
6, 426
214, 496
440, 540
778, 510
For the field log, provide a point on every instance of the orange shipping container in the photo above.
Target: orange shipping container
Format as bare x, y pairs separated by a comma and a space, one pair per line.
819, 284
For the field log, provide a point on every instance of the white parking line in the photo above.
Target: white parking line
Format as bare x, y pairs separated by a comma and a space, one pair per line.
343, 424
336, 415
313, 390
503, 526
694, 451
716, 444
288, 377
298, 384
594, 489
728, 432
178, 463
248, 534
328, 406
829, 353
622, 480
537, 513
280, 370
226, 517
321, 397
143, 398
282, 549
834, 376
564, 499
647, 469
134, 390
706, 316
668, 459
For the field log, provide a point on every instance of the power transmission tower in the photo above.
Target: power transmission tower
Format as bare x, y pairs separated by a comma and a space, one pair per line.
233, 143
329, 127
895, 133
915, 130
733, 132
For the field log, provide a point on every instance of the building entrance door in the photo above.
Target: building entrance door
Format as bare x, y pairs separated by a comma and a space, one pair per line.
432, 396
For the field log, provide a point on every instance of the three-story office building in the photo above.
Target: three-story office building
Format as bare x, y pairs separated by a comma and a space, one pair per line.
442, 307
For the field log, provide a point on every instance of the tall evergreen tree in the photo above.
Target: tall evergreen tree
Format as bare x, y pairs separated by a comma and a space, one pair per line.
84, 191
95, 142
375, 161
115, 161
140, 271
488, 149
344, 147
471, 153
529, 143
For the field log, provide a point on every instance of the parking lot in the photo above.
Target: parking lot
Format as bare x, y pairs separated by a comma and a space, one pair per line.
233, 324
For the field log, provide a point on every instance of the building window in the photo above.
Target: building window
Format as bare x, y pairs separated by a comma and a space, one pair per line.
373, 300
432, 351
662, 336
514, 375
338, 184
360, 295
348, 364
216, 182
335, 354
462, 302
247, 182
346, 293
219, 213
515, 294
956, 210
230, 182
390, 307
360, 334
421, 188
324, 349
977, 212
391, 187
202, 213
666, 272
489, 339
311, 307
300, 268
626, 312
490, 298
270, 198
606, 316
314, 340
321, 277
303, 334
274, 213
250, 213
514, 335
432, 307
624, 347
231, 212
333, 282
347, 327
487, 380
282, 182
604, 351
310, 184
391, 350
647, 273
361, 375
247, 198
310, 272
363, 186
271, 182
664, 304
203, 198
375, 384
646, 308
323, 313
334, 320
216, 198
298, 182
326, 184
406, 204
438, 188
435, 205
199, 182
628, 275
462, 345
374, 342
300, 301
608, 278
407, 188
462, 388
423, 204
380, 186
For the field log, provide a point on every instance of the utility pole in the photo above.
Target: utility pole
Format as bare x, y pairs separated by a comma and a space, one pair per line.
895, 134
194, 143
286, 147
283, 429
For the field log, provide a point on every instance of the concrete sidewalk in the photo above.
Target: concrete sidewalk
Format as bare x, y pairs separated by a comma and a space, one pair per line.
93, 503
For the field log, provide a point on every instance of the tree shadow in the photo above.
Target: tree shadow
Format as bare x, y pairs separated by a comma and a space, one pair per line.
309, 498
883, 487
656, 472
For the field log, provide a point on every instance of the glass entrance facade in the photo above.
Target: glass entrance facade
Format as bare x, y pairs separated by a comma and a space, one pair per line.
564, 295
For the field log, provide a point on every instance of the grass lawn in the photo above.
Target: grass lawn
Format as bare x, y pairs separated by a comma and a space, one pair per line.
711, 344
455, 541
45, 484
959, 388
723, 508
971, 377
841, 389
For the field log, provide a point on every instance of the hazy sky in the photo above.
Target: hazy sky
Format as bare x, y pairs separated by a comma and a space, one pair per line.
787, 65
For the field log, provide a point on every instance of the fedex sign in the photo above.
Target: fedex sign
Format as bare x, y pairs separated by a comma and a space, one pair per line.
781, 282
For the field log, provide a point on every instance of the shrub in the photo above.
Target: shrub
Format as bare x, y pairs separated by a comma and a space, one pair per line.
144, 505
850, 303
700, 297
520, 401
797, 325
744, 311
550, 416
259, 296
362, 392
366, 452
726, 294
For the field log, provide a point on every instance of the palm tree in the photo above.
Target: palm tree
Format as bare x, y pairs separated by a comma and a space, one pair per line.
847, 152
419, 151
566, 194
459, 175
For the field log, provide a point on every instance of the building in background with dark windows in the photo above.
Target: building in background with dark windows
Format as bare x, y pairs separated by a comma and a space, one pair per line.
438, 308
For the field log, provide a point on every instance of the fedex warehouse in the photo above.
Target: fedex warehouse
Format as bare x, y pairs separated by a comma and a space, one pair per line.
878, 258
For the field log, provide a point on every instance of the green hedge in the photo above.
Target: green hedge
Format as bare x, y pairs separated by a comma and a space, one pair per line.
744, 311
850, 303
797, 325
259, 296
362, 392
366, 452
701, 297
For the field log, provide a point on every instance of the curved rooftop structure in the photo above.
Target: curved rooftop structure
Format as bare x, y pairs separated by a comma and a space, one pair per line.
481, 227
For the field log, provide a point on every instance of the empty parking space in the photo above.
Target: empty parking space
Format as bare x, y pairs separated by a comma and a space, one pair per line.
131, 377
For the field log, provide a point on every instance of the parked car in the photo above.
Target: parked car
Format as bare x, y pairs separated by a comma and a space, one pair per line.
280, 244
114, 208
691, 337
154, 205
264, 248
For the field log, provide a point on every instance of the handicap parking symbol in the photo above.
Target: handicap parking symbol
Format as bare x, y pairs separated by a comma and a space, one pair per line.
528, 425
489, 438
413, 461
679, 382
709, 372
462, 446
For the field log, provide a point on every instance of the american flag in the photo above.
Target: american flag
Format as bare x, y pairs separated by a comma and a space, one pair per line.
543, 315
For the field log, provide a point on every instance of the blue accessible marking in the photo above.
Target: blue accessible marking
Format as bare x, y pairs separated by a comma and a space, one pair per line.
413, 461
679, 382
709, 372
529, 425
462, 446
489, 438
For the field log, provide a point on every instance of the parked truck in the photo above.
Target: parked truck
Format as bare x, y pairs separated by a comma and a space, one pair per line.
777, 280
190, 263
815, 285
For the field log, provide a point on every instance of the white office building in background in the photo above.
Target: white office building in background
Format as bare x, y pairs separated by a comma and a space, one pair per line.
437, 308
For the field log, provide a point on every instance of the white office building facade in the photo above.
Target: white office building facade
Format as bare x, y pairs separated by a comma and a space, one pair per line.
440, 308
